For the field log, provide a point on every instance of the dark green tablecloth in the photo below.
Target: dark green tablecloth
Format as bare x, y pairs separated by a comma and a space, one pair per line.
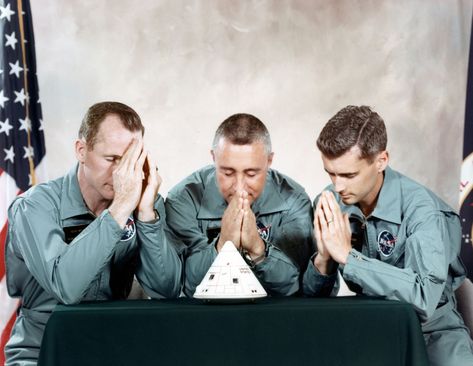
284, 331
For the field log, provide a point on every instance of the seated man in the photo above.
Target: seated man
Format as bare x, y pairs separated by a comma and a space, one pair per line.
264, 213
83, 236
387, 235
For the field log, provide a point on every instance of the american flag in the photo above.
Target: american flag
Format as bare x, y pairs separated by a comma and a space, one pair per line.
21, 133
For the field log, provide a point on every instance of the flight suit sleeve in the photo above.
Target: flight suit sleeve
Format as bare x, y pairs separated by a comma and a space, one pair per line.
317, 284
63, 270
160, 268
198, 262
277, 273
198, 251
422, 279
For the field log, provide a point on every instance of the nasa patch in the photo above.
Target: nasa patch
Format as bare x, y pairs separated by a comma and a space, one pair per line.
386, 243
263, 231
129, 230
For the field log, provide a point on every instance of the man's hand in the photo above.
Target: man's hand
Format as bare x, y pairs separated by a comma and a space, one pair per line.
151, 183
127, 182
322, 261
231, 222
250, 238
334, 233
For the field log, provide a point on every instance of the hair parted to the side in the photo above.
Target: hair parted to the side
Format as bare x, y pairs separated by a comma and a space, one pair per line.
96, 114
353, 126
243, 129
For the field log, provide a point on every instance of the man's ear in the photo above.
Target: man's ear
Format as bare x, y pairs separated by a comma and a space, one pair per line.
270, 159
81, 149
213, 155
382, 160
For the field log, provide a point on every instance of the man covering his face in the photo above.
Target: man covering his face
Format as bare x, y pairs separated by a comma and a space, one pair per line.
83, 236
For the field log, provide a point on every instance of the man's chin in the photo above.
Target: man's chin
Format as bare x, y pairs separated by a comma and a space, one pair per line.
348, 200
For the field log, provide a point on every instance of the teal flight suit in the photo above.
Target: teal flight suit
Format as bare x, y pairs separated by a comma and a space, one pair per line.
194, 210
408, 250
57, 251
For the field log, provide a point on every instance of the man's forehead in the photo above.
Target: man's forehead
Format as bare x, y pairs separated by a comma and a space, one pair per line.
227, 146
350, 162
110, 130
108, 134
241, 157
115, 141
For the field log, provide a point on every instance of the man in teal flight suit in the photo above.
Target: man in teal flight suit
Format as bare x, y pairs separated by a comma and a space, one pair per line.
83, 236
265, 214
386, 234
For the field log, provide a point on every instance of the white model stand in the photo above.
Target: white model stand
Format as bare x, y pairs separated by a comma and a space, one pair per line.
229, 277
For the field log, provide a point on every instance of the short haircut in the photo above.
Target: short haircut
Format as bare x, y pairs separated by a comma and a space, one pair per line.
95, 115
243, 129
353, 126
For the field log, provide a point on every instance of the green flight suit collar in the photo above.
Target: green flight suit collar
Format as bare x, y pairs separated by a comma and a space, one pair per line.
72, 202
213, 204
388, 207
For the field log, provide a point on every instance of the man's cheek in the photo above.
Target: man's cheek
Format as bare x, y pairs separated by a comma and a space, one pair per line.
225, 189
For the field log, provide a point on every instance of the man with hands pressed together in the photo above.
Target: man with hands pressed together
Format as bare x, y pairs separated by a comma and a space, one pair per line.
386, 234
84, 236
239, 226
266, 215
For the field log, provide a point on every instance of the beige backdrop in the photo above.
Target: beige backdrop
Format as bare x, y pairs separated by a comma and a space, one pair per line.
187, 65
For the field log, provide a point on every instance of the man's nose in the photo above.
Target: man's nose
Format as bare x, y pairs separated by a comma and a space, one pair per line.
339, 184
240, 184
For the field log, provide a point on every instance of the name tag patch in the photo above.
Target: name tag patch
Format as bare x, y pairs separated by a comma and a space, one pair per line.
70, 232
386, 243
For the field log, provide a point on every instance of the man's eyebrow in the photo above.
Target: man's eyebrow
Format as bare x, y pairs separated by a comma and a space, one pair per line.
256, 170
343, 174
252, 170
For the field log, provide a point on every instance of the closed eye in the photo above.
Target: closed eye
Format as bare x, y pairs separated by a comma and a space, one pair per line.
112, 159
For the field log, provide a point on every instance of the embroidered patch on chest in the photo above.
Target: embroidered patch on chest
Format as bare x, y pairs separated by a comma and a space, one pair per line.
386, 243
129, 231
263, 231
